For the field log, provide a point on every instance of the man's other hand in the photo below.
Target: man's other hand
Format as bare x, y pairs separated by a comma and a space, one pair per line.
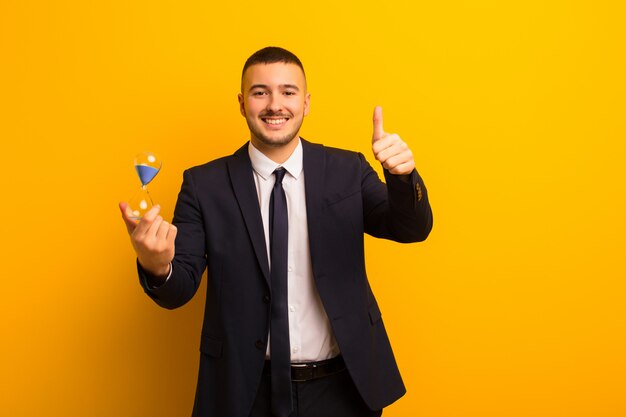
389, 149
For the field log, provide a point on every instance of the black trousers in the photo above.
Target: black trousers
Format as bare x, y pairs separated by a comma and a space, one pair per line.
330, 396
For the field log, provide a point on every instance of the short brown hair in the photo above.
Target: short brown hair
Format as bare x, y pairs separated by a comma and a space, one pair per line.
271, 55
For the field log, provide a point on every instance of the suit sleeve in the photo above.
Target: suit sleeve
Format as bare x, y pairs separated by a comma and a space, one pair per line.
190, 258
398, 210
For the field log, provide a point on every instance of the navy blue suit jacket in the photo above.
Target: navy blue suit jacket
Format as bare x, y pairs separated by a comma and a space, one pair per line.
220, 228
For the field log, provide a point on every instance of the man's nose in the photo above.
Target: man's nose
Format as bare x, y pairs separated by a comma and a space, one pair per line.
275, 103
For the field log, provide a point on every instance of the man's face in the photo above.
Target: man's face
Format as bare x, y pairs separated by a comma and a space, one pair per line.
274, 101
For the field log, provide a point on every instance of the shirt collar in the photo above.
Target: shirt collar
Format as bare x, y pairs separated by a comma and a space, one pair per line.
265, 167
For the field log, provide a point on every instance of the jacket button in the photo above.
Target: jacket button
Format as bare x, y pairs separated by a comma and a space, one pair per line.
266, 299
259, 344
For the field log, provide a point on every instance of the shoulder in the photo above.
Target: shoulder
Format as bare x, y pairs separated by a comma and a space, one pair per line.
333, 155
214, 165
216, 168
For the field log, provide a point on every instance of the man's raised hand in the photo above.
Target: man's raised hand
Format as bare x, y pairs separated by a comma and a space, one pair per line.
153, 239
389, 149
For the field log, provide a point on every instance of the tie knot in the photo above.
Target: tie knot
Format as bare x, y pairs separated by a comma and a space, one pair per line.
280, 174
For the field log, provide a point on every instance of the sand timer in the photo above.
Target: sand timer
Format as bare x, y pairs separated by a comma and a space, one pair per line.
147, 166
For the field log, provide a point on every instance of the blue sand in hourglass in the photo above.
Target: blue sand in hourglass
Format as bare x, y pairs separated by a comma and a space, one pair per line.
146, 173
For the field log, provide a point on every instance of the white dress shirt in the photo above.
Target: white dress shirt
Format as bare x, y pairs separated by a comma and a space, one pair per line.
310, 334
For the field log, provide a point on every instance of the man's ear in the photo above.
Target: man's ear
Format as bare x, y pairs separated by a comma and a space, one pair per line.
242, 108
307, 103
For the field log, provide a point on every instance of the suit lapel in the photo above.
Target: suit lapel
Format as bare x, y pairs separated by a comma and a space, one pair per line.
314, 163
240, 170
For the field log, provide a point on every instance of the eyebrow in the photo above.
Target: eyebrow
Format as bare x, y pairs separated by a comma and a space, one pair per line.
283, 86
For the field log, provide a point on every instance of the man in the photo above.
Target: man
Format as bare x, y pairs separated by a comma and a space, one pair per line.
291, 327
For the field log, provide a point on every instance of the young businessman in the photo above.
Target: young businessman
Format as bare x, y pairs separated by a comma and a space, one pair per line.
291, 327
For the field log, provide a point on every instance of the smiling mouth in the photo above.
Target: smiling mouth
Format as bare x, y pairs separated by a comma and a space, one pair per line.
275, 121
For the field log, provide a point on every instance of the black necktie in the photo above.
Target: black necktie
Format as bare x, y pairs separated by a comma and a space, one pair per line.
279, 324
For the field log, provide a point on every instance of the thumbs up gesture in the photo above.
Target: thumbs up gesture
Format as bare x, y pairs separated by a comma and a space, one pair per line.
391, 151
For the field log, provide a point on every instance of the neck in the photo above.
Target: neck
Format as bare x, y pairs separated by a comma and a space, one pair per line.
278, 154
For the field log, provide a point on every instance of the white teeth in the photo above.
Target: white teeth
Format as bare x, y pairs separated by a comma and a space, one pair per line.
275, 121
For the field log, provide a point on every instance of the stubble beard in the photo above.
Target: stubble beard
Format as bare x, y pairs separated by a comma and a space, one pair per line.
273, 142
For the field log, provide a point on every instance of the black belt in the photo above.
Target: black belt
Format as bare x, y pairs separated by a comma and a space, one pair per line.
301, 372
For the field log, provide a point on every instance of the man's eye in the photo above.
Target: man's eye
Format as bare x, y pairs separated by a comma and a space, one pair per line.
290, 93
258, 93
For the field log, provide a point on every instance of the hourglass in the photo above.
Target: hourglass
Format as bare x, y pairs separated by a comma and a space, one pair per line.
147, 166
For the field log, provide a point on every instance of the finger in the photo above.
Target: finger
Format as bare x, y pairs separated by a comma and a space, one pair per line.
388, 146
392, 151
403, 169
385, 156
171, 234
378, 124
388, 142
154, 227
398, 160
161, 233
390, 160
146, 221
126, 216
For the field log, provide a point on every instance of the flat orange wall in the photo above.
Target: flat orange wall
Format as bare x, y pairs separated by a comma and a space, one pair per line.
515, 306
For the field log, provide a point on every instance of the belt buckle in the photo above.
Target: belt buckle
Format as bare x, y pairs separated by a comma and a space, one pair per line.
302, 372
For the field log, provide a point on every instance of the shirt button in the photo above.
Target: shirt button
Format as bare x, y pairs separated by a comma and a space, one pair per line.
295, 349
290, 269
266, 299
259, 344
292, 308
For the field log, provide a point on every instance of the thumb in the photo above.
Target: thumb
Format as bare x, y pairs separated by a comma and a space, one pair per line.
378, 124
126, 215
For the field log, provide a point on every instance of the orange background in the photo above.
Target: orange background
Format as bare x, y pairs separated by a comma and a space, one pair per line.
515, 306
